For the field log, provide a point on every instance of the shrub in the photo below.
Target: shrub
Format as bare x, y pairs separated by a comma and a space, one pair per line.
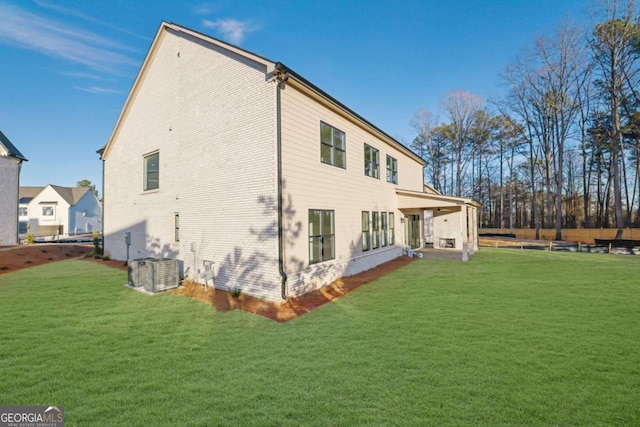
97, 250
236, 292
29, 238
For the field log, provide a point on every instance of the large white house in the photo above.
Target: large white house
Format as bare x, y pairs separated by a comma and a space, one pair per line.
55, 211
10, 163
220, 155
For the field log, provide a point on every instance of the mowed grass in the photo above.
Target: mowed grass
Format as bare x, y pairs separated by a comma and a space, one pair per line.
508, 338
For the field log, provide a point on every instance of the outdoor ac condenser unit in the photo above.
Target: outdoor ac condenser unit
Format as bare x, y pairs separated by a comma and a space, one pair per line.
155, 275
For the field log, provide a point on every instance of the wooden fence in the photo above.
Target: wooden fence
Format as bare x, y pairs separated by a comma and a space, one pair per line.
583, 235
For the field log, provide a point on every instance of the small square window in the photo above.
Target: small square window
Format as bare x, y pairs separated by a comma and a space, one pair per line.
48, 211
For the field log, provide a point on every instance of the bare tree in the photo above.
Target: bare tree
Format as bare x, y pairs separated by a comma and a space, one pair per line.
614, 47
461, 107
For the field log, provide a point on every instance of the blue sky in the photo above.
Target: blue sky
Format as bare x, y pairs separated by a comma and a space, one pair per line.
67, 66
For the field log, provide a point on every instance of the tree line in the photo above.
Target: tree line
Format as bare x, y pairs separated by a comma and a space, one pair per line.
561, 147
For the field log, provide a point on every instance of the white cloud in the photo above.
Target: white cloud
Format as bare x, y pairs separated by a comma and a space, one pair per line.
232, 30
56, 39
81, 75
71, 12
203, 9
98, 90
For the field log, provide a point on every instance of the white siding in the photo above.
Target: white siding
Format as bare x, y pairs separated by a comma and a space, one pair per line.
86, 215
42, 225
311, 184
211, 115
9, 177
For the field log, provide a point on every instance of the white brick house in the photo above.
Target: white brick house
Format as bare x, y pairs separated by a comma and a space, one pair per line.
222, 155
10, 163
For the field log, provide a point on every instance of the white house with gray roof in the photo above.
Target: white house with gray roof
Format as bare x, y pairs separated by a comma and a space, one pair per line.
10, 164
59, 211
223, 157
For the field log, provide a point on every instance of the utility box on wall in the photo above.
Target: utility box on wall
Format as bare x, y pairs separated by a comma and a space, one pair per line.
155, 275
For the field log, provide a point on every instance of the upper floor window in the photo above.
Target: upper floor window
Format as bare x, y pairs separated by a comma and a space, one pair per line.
371, 161
321, 236
332, 146
23, 211
152, 171
48, 210
392, 170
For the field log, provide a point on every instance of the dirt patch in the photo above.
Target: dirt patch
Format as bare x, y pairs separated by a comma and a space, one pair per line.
293, 307
24, 256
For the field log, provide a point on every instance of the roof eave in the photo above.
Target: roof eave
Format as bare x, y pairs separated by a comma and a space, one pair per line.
358, 118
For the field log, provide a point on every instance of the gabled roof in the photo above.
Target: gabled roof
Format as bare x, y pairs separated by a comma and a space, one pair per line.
71, 195
430, 189
273, 67
11, 149
26, 194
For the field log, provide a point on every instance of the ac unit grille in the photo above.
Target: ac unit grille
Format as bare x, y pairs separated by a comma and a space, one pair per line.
154, 275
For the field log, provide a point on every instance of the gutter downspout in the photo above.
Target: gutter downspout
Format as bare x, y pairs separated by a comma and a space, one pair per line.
281, 80
18, 215
101, 152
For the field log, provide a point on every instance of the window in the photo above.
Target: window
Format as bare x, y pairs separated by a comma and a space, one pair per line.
383, 226
23, 211
152, 171
376, 234
332, 146
321, 236
366, 234
371, 161
392, 229
392, 170
176, 227
48, 210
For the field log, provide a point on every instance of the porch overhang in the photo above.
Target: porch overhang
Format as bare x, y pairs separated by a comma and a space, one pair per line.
408, 199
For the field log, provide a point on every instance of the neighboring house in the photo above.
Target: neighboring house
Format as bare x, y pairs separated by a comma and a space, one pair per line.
10, 163
222, 156
59, 211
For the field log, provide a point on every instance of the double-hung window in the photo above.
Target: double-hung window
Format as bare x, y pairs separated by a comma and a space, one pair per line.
376, 230
371, 161
321, 236
151, 171
383, 226
48, 211
23, 211
392, 170
366, 233
392, 229
332, 146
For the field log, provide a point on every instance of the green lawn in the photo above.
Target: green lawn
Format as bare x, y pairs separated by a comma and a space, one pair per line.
509, 338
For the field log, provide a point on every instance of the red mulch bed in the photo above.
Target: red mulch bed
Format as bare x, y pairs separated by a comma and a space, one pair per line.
293, 307
14, 258
24, 256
